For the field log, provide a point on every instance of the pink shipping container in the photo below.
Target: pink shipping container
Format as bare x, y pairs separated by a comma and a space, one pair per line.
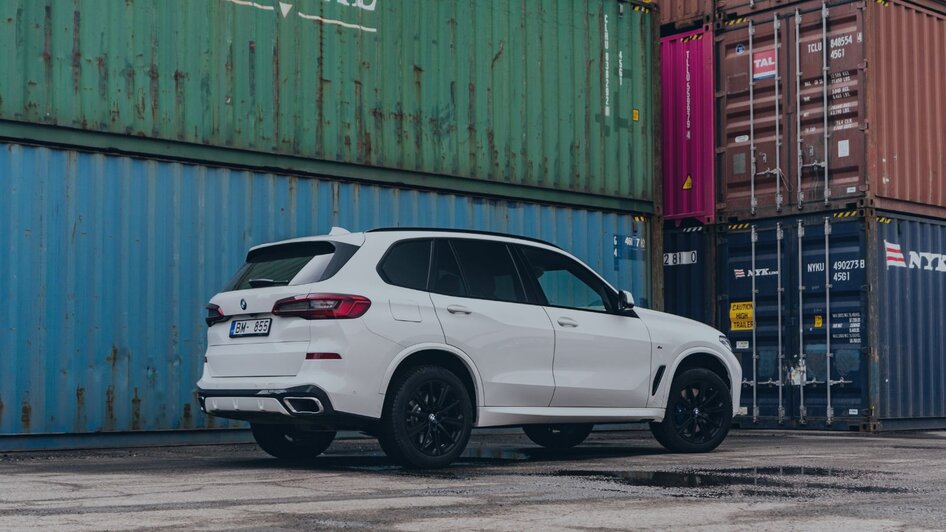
688, 127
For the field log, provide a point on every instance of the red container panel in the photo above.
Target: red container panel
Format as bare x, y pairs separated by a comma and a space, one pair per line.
832, 106
688, 139
685, 12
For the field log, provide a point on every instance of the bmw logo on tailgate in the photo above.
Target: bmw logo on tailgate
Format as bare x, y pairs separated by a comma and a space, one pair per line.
243, 304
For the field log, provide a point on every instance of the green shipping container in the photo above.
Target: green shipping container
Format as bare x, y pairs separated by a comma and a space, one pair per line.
550, 98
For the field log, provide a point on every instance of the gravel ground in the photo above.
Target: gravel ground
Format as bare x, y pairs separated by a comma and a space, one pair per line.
757, 480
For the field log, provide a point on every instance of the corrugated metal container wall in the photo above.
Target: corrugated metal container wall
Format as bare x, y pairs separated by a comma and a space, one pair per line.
685, 13
690, 271
688, 150
861, 124
866, 289
108, 261
910, 272
554, 94
783, 321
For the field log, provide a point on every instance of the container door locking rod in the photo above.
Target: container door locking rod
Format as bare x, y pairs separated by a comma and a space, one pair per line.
779, 234
753, 202
827, 311
802, 369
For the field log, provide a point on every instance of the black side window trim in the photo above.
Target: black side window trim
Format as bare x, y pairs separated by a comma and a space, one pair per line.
434, 266
610, 304
516, 267
534, 292
378, 268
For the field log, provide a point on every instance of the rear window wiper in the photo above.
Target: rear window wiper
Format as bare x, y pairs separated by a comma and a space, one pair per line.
263, 283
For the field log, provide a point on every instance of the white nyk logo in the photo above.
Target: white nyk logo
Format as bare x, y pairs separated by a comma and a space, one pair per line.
918, 259
759, 272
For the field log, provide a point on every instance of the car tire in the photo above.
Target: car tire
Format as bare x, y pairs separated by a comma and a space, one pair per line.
699, 413
288, 442
560, 436
427, 419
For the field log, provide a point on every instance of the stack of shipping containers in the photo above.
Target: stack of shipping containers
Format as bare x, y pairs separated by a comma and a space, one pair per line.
831, 210
147, 145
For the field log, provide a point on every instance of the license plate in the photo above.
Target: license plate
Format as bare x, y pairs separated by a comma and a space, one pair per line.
240, 328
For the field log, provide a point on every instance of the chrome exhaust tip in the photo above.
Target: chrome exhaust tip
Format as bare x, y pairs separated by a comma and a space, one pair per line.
303, 405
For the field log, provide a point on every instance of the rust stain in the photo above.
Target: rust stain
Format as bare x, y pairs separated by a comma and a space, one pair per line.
110, 408
26, 413
502, 47
154, 75
136, 411
80, 404
112, 357
102, 63
276, 121
188, 417
76, 52
47, 44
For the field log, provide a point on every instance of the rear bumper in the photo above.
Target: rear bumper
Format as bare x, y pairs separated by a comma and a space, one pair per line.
308, 405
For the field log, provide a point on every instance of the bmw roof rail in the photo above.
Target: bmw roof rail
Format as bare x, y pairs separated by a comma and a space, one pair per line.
461, 231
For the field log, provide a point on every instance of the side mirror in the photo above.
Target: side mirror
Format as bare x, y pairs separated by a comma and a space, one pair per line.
625, 300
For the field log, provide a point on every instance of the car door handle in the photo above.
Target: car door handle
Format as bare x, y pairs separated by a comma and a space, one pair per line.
567, 322
458, 309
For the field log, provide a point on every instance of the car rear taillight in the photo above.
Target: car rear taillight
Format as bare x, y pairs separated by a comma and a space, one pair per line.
215, 315
323, 306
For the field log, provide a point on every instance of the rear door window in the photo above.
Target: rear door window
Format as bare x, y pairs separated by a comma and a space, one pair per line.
293, 263
407, 264
488, 270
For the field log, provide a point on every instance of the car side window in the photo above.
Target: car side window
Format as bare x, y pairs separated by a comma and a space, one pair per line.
445, 278
406, 264
489, 270
564, 282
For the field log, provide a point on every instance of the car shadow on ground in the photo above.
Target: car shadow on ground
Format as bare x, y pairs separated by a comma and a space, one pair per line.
472, 459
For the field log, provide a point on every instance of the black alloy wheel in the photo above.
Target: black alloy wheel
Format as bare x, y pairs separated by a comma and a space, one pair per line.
699, 413
428, 419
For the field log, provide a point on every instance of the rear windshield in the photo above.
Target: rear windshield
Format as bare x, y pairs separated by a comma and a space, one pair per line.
295, 263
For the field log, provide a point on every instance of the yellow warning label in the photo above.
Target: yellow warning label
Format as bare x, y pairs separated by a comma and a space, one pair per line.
688, 184
635, 115
741, 316
819, 321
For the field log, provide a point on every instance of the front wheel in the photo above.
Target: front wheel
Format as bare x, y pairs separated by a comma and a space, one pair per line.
699, 413
428, 418
288, 442
559, 437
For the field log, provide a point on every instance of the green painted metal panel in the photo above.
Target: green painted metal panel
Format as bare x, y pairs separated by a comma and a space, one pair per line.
553, 94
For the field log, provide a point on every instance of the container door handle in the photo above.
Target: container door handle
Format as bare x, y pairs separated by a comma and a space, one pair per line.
458, 309
567, 322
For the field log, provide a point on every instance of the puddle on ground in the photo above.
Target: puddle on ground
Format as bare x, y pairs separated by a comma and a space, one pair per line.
762, 481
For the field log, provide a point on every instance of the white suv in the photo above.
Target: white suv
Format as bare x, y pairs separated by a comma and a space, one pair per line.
418, 335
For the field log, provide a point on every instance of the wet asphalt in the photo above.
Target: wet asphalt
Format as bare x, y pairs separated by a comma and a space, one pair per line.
757, 480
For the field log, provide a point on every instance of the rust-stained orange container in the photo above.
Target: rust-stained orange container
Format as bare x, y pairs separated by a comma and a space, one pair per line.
685, 14
825, 106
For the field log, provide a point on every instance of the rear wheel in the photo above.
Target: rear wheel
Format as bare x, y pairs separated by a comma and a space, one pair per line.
699, 413
289, 442
428, 418
564, 436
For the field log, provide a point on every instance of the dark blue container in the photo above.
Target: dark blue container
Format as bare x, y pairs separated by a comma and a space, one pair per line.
829, 333
690, 270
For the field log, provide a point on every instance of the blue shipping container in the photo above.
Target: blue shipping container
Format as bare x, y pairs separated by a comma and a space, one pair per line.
690, 271
106, 263
838, 319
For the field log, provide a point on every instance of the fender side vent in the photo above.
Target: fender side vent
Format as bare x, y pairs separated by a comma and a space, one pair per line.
660, 375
